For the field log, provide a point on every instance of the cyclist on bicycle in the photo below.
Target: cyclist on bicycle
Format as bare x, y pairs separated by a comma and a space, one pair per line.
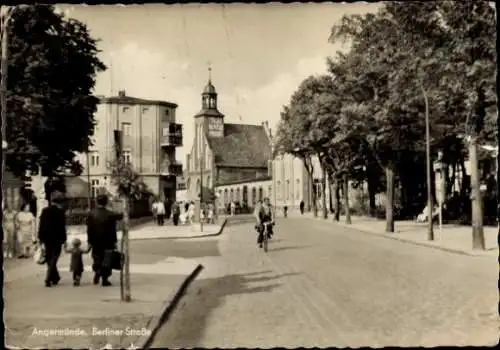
264, 213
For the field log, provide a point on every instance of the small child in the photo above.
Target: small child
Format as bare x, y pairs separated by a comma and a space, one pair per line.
76, 259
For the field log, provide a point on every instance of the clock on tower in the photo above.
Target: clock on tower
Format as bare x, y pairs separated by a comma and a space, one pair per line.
215, 127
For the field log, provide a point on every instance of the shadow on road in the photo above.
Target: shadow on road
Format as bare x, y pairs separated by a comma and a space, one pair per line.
187, 326
278, 249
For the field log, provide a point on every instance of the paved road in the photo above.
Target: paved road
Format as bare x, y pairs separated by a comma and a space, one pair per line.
326, 286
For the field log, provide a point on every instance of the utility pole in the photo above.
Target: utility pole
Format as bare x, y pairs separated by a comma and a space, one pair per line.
125, 291
430, 230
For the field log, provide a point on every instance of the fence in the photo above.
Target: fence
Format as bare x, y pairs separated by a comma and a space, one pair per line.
78, 209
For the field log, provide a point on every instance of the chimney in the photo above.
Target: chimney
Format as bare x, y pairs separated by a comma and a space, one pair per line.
121, 93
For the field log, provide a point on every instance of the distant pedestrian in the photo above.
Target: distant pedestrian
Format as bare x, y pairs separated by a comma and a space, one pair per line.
301, 205
9, 231
159, 210
52, 235
102, 238
76, 266
176, 212
25, 230
233, 208
186, 207
168, 209
285, 210
190, 214
210, 213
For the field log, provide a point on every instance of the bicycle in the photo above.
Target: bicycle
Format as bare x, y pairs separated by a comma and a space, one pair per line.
266, 235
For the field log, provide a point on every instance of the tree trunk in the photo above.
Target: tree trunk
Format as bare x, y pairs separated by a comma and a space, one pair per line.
330, 196
389, 204
313, 196
125, 245
336, 202
478, 241
345, 192
372, 191
323, 194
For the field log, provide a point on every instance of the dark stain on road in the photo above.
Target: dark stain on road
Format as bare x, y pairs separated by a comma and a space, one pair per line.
186, 327
289, 248
187, 249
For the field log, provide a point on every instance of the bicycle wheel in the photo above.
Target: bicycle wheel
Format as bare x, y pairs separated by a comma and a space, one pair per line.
265, 241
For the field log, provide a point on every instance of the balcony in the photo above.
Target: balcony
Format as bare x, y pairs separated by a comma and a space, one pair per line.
171, 135
171, 169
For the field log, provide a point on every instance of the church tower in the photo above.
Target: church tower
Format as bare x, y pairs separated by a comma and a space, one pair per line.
209, 120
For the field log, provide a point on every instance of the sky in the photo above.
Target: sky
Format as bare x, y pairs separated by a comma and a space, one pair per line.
258, 54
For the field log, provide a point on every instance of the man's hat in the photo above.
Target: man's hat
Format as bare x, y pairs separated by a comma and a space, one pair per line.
57, 197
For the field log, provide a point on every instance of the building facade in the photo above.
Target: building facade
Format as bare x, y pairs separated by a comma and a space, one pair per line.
226, 155
150, 137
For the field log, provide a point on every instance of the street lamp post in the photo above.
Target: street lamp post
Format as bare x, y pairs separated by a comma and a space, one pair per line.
430, 231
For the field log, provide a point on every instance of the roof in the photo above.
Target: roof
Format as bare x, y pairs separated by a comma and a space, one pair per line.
209, 112
129, 100
243, 146
209, 89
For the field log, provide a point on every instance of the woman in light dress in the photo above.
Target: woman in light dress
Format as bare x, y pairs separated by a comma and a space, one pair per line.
9, 229
190, 213
25, 224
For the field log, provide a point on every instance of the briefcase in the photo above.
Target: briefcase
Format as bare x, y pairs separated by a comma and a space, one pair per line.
113, 259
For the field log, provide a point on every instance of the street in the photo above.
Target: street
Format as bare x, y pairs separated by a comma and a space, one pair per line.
322, 285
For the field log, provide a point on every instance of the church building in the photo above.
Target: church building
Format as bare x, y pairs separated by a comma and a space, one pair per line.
230, 161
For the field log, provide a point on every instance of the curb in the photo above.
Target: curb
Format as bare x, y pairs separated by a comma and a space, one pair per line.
422, 244
395, 238
144, 342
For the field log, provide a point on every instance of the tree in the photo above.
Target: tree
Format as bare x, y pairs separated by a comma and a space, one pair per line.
289, 140
130, 186
52, 68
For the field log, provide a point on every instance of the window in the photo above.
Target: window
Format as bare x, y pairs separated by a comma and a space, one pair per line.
261, 193
94, 187
125, 109
165, 131
297, 193
238, 198
269, 191
94, 159
287, 189
145, 110
167, 112
126, 129
127, 156
278, 189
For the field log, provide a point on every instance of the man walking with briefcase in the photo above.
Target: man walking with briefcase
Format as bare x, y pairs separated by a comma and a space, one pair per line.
102, 237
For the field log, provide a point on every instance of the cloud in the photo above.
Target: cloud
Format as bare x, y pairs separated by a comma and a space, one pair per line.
151, 74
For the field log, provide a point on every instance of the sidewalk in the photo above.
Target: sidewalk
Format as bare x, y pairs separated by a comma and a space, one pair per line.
91, 316
19, 269
452, 238
153, 231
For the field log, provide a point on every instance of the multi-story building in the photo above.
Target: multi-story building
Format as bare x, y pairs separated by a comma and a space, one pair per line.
150, 137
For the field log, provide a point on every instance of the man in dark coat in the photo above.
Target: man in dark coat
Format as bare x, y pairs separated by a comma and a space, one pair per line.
52, 234
102, 237
176, 212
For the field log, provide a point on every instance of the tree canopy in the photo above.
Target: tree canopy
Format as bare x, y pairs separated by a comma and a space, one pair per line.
370, 106
52, 66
